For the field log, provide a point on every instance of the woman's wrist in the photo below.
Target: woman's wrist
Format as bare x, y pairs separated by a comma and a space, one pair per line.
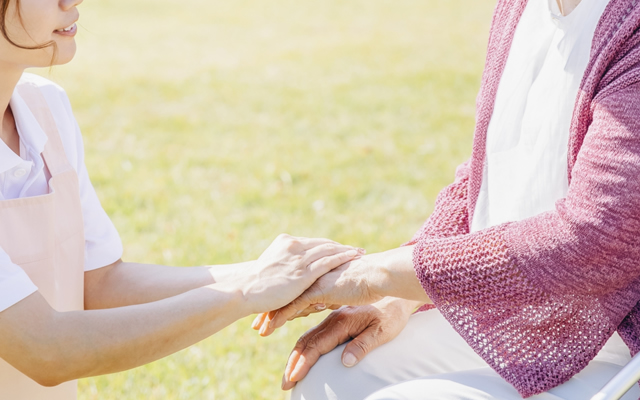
399, 305
230, 273
393, 275
240, 304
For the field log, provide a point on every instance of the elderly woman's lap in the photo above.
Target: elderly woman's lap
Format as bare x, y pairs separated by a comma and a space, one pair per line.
429, 360
427, 346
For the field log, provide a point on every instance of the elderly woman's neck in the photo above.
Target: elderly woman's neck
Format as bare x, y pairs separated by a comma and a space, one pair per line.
567, 6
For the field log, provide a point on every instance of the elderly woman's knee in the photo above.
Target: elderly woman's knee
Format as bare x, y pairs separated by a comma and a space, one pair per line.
330, 380
320, 379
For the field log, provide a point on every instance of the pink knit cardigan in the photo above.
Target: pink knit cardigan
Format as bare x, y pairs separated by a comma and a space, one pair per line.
537, 299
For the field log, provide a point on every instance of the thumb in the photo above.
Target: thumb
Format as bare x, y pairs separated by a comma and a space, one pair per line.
360, 346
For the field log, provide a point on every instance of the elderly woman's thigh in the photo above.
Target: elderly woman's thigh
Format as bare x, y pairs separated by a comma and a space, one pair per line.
486, 384
427, 346
480, 384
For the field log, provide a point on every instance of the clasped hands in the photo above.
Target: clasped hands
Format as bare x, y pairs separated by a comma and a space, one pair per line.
372, 295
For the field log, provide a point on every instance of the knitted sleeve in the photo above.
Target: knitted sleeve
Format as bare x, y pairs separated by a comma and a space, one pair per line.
537, 299
450, 216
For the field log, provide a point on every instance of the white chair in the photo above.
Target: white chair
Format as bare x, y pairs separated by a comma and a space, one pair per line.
622, 382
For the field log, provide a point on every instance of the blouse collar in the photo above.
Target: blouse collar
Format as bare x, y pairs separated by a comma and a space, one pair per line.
32, 137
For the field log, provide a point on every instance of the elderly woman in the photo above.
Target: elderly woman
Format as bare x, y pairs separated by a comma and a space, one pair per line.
528, 268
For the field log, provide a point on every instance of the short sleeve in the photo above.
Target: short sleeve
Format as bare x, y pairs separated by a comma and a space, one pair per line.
102, 241
15, 285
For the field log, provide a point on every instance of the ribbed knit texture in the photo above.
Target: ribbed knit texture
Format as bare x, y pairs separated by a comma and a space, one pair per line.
538, 298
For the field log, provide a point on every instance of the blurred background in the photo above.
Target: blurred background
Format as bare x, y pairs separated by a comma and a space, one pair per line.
211, 126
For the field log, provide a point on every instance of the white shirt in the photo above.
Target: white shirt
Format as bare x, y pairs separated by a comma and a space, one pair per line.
24, 176
525, 169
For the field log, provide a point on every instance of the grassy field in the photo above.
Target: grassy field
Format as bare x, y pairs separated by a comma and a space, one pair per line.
211, 126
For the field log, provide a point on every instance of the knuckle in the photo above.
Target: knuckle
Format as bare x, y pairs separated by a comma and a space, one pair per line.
302, 341
293, 244
363, 345
313, 344
339, 317
283, 236
331, 247
298, 274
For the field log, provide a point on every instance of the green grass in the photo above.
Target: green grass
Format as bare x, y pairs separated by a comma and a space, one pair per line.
211, 126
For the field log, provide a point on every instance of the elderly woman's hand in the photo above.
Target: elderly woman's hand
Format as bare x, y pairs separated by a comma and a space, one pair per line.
286, 269
370, 326
364, 280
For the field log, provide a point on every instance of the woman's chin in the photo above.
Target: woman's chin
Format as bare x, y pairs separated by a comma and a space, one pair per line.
64, 55
61, 61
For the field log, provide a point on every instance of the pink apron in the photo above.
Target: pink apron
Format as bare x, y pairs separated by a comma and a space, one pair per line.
45, 236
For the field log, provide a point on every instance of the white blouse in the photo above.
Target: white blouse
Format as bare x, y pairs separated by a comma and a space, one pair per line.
24, 176
525, 170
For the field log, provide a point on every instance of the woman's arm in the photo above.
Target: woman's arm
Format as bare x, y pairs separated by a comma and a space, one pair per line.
53, 347
124, 283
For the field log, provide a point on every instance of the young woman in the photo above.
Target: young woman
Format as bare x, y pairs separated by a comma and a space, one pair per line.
69, 306
531, 257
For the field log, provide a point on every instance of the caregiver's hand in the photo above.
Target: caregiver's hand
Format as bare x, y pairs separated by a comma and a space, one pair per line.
370, 326
287, 268
364, 280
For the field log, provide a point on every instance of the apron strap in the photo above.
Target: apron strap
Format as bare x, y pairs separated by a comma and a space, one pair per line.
53, 154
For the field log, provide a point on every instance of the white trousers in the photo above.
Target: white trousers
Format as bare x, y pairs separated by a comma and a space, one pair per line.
430, 361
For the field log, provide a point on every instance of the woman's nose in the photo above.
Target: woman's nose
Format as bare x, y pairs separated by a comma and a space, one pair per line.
67, 5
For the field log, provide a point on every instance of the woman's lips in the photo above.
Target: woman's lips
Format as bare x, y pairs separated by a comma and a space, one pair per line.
69, 31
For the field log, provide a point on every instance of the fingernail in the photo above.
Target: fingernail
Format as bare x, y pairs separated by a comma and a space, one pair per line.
254, 324
263, 329
351, 253
349, 360
320, 307
283, 382
361, 251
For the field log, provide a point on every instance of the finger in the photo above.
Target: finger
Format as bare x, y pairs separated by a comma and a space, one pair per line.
297, 351
287, 384
318, 253
268, 327
362, 345
309, 243
328, 263
320, 344
287, 312
265, 323
321, 340
258, 321
313, 309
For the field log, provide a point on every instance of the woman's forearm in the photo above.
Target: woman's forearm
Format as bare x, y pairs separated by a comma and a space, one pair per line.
65, 346
395, 276
124, 283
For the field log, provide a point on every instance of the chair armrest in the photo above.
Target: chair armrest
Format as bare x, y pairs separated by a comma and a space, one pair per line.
621, 382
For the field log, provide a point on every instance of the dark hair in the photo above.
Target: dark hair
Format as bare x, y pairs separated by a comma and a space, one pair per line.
4, 8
